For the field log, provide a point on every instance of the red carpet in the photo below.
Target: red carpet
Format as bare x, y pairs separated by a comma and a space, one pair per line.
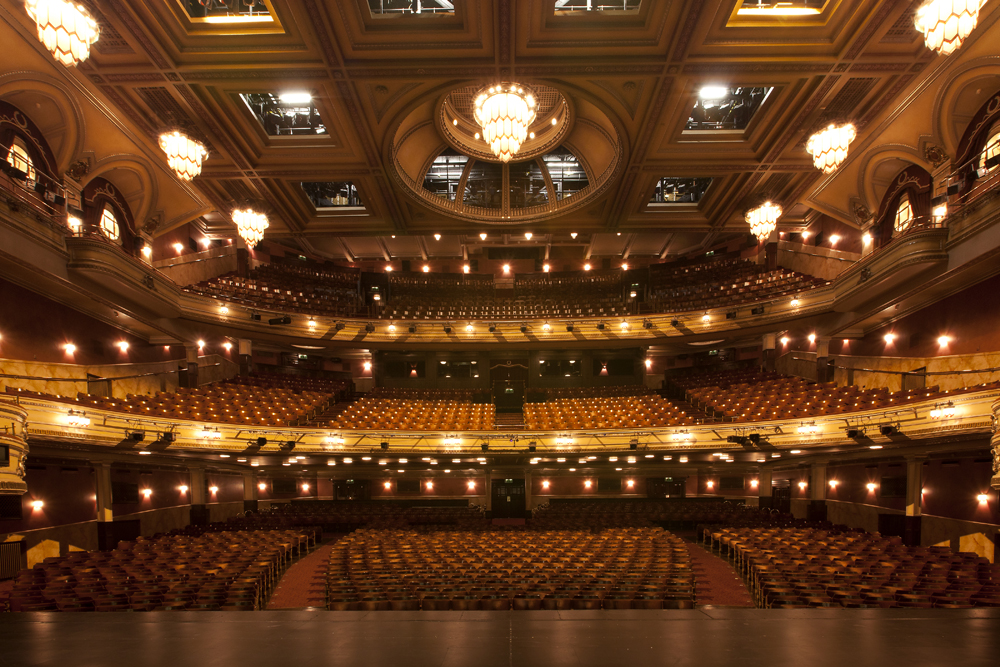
304, 583
718, 583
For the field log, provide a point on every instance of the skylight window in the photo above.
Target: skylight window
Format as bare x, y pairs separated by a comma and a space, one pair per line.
782, 8
445, 173
332, 195
673, 190
568, 175
722, 108
228, 11
573, 6
400, 7
291, 113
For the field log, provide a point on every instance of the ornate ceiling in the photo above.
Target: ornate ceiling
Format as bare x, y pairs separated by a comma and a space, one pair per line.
369, 75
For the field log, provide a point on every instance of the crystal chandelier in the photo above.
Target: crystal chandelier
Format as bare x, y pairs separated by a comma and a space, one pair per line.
946, 23
763, 220
505, 115
66, 29
829, 146
184, 154
250, 225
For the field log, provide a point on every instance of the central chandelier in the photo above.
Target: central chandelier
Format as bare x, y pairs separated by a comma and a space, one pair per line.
763, 220
946, 23
829, 146
250, 225
184, 154
66, 29
505, 113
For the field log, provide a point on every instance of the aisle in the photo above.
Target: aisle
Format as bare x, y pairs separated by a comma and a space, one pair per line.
718, 583
304, 583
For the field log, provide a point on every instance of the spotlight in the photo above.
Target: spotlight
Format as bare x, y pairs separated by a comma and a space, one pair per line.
633, 444
600, 326
338, 326
280, 320
853, 433
385, 445
369, 327
888, 430
524, 328
137, 436
261, 442
569, 327
255, 317
646, 324
532, 447
674, 323
287, 446
167, 436
412, 328
447, 328
486, 447
493, 328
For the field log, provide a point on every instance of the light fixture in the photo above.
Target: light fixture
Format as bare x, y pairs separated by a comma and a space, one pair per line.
546, 327
946, 23
147, 493
888, 338
227, 346
545, 268
983, 498
754, 483
387, 486
178, 247
623, 326
426, 269
706, 317
870, 486
713, 92
437, 237
795, 302
147, 251
505, 113
709, 484
506, 268
630, 483
123, 346
305, 487
37, 504
184, 154
213, 489
545, 483
943, 341
295, 98
65, 28
528, 235
250, 225
430, 486
812, 338
802, 486
183, 488
367, 366
763, 220
78, 419
70, 348
482, 237
833, 483
828, 147
201, 344
586, 267
834, 239
587, 483
469, 328
465, 268
784, 340
471, 485
866, 238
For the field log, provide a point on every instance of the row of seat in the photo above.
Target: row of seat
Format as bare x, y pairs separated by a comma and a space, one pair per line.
808, 567
642, 568
605, 412
224, 570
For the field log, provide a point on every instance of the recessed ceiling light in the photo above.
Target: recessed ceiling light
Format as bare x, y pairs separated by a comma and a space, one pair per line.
295, 98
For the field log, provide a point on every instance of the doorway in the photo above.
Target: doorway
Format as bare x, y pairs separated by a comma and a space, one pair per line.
508, 499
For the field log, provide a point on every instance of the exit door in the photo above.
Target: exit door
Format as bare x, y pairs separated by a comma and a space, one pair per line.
508, 499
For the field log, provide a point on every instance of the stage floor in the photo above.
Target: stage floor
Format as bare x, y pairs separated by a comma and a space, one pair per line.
702, 637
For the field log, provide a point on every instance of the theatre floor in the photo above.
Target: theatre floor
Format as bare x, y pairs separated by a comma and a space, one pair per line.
707, 636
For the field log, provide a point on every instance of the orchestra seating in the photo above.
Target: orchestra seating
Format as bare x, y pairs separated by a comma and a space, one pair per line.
750, 395
418, 410
625, 568
809, 567
458, 296
262, 400
184, 570
603, 407
719, 284
302, 287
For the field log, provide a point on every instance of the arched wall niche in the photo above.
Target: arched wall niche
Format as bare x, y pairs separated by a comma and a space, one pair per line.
881, 166
100, 192
15, 123
914, 183
958, 100
133, 178
52, 109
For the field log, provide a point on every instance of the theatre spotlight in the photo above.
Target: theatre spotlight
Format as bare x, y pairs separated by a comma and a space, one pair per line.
287, 446
569, 327
137, 436
261, 442
854, 433
524, 328
888, 430
280, 320
633, 444
412, 328
493, 328
447, 328
600, 326
647, 324
486, 447
532, 446
338, 326
370, 328
385, 445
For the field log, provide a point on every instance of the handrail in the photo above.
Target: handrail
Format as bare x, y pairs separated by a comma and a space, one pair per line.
97, 378
914, 372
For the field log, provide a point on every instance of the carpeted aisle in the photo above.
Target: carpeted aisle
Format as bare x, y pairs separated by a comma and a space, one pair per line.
718, 583
304, 583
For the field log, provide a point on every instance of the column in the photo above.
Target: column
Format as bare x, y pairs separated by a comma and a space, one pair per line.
489, 493
250, 491
764, 488
527, 493
106, 536
199, 510
914, 486
817, 492
188, 376
102, 478
769, 354
823, 371
995, 444
245, 356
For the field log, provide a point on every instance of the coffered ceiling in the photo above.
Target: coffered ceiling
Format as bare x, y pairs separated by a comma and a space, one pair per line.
367, 74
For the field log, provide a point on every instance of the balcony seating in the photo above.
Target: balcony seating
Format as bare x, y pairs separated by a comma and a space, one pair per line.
227, 570
793, 567
267, 400
418, 410
346, 516
307, 288
603, 407
536, 296
600, 514
752, 396
720, 284
627, 568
